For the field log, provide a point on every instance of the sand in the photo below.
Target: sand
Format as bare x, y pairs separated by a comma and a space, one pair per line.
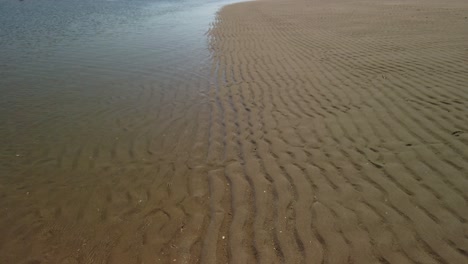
330, 132
343, 129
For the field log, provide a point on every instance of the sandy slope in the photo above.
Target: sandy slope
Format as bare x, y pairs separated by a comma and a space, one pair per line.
343, 127
331, 132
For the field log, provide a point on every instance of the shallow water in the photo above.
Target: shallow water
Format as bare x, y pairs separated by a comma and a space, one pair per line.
98, 107
66, 67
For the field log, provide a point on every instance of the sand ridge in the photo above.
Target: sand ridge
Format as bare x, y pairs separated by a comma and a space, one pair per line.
342, 127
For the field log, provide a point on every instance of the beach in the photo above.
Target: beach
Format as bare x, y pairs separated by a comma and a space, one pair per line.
311, 132
343, 132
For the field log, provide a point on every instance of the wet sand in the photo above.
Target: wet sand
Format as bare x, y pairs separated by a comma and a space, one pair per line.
342, 131
329, 132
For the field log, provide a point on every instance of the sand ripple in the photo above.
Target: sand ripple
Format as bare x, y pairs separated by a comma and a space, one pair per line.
337, 123
330, 132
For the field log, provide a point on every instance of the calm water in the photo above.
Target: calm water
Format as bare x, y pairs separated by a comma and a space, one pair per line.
67, 67
83, 38
100, 105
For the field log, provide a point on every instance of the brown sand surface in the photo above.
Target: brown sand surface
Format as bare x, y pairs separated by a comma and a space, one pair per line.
343, 129
331, 132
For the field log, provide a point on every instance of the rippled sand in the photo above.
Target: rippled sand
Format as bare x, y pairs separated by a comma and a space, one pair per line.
329, 132
343, 133
104, 112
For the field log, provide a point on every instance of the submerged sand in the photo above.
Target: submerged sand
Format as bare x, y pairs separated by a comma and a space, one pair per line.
332, 132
